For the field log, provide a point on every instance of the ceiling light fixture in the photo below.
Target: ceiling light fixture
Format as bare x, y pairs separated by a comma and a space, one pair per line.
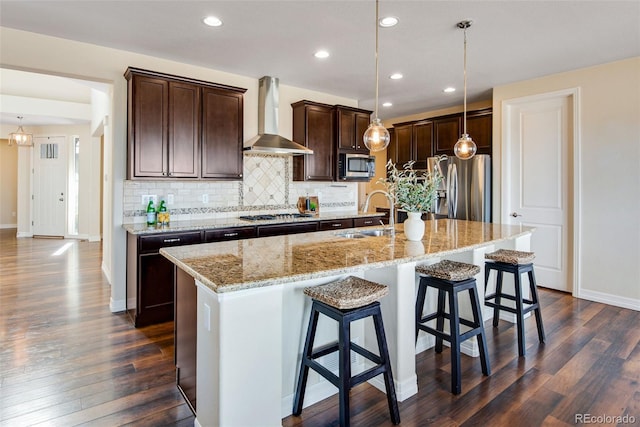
396, 76
449, 89
20, 137
387, 104
388, 21
212, 21
376, 137
321, 54
465, 148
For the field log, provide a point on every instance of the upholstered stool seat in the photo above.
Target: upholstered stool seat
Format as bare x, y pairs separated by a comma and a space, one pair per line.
346, 301
516, 263
450, 278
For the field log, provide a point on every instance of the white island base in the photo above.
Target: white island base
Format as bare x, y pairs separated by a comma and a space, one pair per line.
249, 342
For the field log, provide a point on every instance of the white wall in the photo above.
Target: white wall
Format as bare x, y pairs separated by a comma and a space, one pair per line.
29, 51
609, 181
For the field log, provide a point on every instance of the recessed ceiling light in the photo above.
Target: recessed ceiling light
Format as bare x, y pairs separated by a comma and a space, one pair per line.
212, 21
396, 76
387, 104
321, 54
388, 21
449, 89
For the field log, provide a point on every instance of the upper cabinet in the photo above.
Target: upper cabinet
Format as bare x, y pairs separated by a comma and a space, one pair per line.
313, 126
418, 140
351, 124
183, 128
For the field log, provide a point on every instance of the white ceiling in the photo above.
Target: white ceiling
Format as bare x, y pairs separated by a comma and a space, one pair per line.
509, 41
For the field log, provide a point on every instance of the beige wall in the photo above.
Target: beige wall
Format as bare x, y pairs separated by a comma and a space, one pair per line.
608, 168
8, 184
29, 51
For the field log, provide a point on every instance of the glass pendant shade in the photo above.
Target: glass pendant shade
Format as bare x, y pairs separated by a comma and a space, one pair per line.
20, 137
376, 137
465, 148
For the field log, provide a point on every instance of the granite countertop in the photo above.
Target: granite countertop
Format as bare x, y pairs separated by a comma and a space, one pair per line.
206, 224
245, 264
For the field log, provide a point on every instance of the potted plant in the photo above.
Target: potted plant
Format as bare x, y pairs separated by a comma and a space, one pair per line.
413, 191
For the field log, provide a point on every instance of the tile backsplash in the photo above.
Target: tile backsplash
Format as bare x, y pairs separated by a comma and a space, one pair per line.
267, 187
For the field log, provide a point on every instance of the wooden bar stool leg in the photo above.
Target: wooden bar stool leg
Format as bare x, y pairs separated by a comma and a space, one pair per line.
422, 293
536, 311
344, 356
440, 319
454, 330
482, 341
496, 309
304, 368
519, 314
388, 376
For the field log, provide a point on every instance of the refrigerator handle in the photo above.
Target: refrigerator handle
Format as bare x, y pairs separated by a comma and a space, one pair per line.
452, 191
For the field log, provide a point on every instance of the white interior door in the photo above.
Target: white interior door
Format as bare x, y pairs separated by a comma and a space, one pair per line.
536, 190
49, 186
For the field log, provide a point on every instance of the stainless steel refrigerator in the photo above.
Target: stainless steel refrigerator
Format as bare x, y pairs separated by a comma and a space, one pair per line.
465, 192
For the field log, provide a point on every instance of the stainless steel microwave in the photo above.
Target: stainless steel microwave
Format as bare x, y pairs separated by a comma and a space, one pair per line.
356, 167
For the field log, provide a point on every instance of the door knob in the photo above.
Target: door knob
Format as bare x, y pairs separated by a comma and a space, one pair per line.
515, 214
61, 199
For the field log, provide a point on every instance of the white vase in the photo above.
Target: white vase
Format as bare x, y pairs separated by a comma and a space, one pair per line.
414, 226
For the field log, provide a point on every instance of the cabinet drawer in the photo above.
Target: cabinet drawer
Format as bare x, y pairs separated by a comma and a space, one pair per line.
154, 242
367, 222
335, 224
282, 229
235, 233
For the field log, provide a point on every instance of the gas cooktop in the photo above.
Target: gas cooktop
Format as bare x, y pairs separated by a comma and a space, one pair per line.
275, 216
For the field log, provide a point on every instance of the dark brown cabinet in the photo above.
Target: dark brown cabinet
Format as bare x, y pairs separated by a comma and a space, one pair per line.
351, 124
313, 126
221, 134
235, 233
186, 335
435, 136
282, 229
335, 224
183, 128
150, 276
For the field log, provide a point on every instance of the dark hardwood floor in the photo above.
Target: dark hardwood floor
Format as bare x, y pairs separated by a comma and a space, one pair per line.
66, 360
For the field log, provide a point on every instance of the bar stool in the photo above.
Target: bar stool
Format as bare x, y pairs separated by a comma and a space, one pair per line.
450, 278
517, 263
346, 301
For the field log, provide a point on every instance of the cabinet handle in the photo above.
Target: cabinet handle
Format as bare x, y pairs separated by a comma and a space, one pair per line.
368, 222
177, 239
336, 225
230, 234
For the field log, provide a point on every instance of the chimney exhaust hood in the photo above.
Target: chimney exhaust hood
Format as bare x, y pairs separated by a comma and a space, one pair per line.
268, 140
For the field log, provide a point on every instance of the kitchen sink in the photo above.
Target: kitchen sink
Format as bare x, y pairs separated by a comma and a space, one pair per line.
361, 234
351, 235
372, 232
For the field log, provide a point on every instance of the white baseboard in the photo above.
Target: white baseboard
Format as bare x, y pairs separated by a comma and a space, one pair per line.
404, 390
24, 234
117, 306
94, 238
615, 300
106, 272
8, 225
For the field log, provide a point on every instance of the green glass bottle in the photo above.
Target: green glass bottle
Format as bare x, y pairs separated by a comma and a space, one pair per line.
151, 214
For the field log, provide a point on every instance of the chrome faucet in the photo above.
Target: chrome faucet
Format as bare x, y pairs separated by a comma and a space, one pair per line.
389, 197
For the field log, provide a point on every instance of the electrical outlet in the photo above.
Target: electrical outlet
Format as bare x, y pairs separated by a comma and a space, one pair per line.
205, 198
147, 197
170, 199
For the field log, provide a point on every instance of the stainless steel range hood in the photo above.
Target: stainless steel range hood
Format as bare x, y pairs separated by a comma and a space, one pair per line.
268, 140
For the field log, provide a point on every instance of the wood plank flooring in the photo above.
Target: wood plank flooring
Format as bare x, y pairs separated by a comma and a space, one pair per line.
66, 360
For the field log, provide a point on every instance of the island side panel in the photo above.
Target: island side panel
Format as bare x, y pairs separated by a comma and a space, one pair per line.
239, 372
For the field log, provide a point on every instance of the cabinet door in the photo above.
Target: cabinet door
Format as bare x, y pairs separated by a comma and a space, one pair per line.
149, 110
422, 139
446, 134
186, 327
221, 134
346, 129
336, 223
404, 144
155, 290
362, 123
480, 129
184, 130
313, 126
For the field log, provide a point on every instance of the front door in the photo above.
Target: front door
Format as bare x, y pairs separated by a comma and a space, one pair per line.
49, 186
537, 192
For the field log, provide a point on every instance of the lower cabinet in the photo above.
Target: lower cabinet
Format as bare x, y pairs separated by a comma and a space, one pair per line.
282, 229
335, 224
186, 331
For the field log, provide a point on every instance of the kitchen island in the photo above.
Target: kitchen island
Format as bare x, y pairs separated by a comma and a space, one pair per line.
252, 313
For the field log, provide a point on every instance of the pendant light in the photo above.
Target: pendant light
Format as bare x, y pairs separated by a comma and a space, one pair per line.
465, 148
376, 137
20, 137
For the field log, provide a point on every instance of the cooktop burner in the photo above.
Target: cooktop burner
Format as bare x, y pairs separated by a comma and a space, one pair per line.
275, 216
